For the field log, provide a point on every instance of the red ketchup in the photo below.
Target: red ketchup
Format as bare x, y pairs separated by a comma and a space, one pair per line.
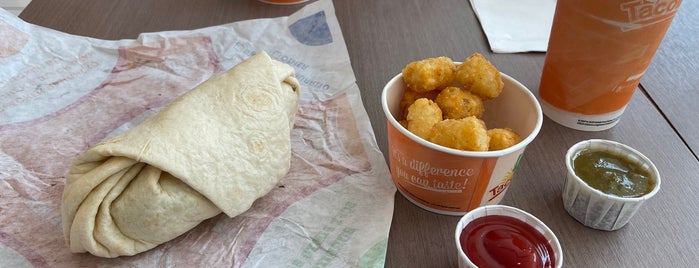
504, 241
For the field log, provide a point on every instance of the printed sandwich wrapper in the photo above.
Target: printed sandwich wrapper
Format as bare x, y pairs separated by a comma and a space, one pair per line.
61, 94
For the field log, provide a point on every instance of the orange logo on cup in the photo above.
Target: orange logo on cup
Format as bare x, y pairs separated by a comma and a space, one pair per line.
641, 12
501, 187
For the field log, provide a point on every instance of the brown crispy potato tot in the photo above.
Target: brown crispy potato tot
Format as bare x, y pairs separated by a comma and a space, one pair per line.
410, 96
429, 74
422, 115
457, 103
502, 138
479, 76
403, 123
467, 133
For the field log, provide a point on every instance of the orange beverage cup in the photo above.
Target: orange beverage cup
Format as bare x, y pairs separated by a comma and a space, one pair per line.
450, 181
597, 54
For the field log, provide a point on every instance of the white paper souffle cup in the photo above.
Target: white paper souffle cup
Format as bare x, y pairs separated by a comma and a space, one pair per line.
594, 208
513, 212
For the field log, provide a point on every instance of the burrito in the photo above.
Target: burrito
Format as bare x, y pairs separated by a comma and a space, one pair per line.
216, 148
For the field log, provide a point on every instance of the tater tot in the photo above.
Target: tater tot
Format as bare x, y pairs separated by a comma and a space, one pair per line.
501, 138
429, 74
410, 96
403, 123
467, 133
479, 76
422, 115
457, 103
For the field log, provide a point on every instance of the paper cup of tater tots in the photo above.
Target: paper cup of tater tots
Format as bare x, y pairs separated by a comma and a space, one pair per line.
440, 164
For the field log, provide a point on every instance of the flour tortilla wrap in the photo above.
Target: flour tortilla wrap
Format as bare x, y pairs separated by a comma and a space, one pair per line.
215, 149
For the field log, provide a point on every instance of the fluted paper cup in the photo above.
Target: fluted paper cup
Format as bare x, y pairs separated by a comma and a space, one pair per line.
594, 208
513, 212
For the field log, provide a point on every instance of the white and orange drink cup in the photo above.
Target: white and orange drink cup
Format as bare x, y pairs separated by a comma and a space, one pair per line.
450, 181
597, 54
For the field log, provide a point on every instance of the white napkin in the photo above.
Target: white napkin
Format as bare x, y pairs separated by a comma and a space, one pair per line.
515, 25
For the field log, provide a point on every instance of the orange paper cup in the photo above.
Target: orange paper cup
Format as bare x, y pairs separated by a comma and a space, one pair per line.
450, 181
597, 53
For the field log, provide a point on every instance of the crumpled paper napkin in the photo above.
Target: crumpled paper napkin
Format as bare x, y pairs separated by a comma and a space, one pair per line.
515, 25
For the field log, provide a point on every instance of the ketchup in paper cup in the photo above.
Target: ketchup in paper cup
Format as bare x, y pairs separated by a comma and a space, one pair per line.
450, 181
504, 236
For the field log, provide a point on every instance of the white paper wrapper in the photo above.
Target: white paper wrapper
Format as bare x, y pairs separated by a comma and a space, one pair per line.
60, 94
515, 25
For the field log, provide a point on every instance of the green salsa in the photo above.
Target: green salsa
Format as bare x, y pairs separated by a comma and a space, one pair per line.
612, 174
